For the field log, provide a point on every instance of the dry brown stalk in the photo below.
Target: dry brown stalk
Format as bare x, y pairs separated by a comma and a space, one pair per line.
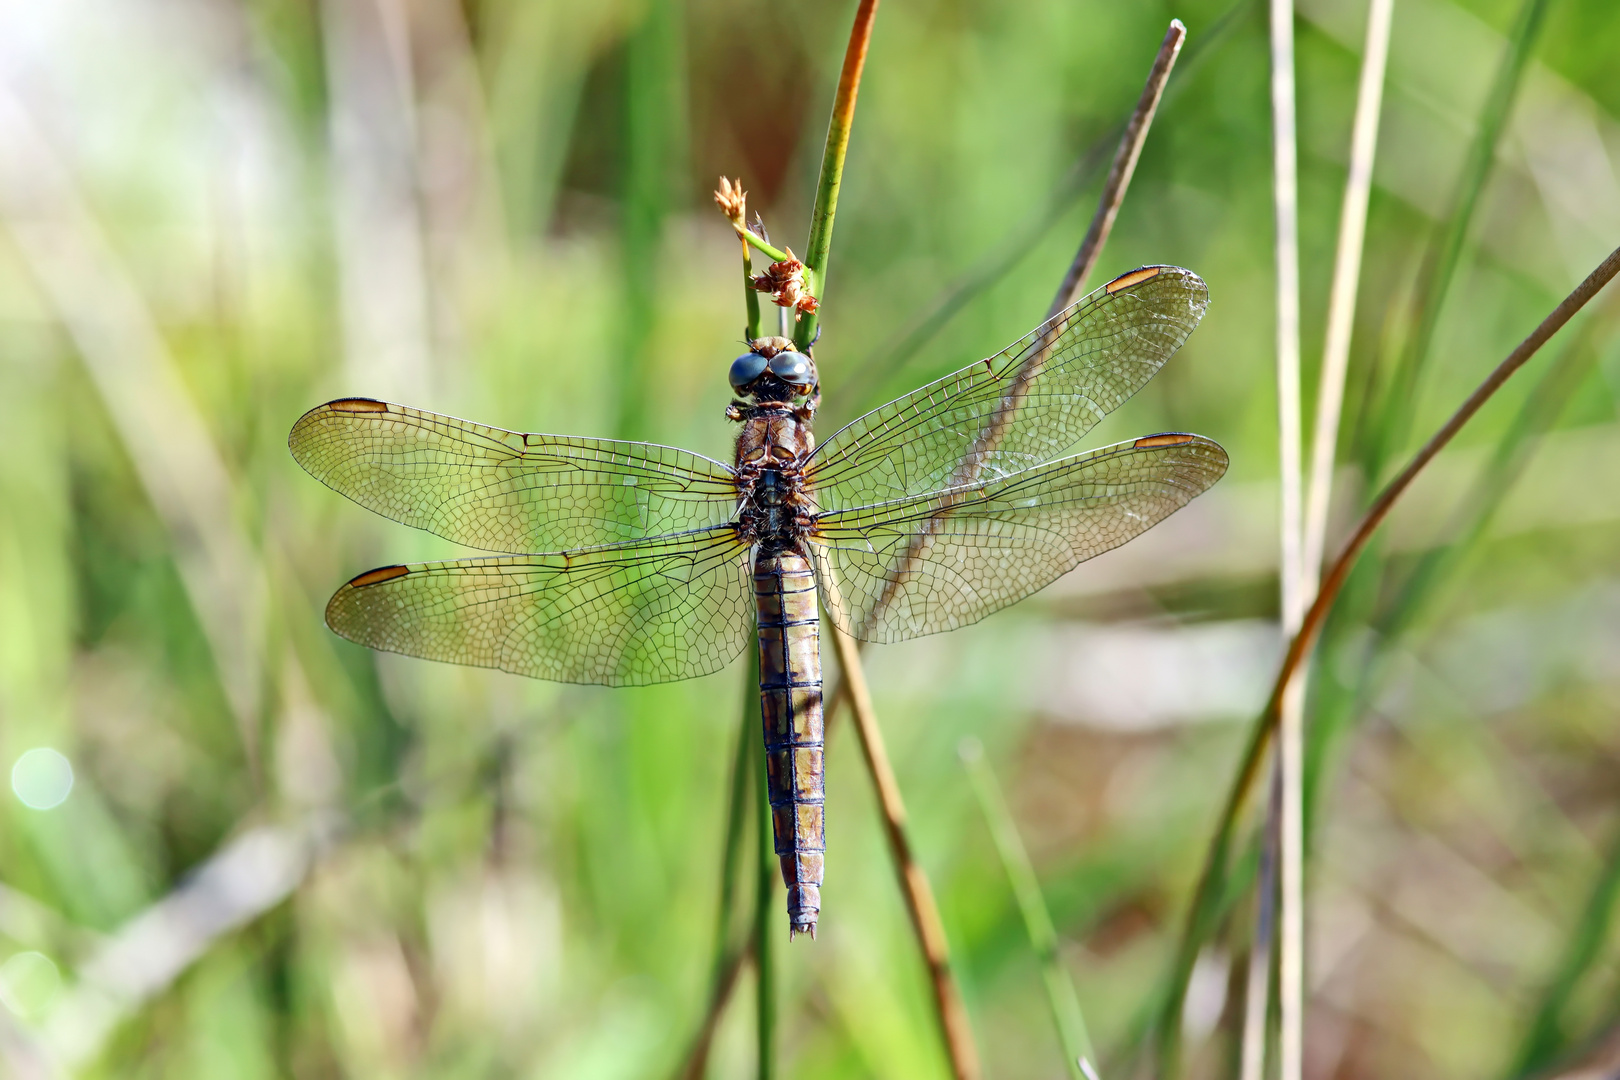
1119, 174
914, 885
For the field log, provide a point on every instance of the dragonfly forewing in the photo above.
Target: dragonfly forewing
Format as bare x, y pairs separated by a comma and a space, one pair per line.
503, 490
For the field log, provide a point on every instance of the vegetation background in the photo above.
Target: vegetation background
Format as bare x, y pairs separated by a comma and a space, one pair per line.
283, 855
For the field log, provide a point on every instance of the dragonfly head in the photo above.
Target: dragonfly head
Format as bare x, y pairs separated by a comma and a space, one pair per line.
773, 371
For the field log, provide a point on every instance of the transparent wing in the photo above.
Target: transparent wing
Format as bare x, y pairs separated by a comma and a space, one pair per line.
502, 490
1096, 355
918, 566
673, 607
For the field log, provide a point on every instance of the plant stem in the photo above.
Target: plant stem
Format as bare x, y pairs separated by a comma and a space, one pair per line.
1257, 997
750, 237
1078, 1053
1346, 279
919, 896
764, 963
750, 294
1207, 898
1120, 173
832, 165
650, 123
1288, 806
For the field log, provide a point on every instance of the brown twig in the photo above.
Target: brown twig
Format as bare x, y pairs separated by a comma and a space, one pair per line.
1300, 646
1119, 175
913, 882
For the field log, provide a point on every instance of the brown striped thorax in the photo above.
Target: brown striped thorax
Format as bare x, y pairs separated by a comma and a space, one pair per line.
774, 505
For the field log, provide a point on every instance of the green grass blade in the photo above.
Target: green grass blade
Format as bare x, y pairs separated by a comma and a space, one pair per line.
765, 890
1548, 1035
1445, 251
1079, 1055
651, 120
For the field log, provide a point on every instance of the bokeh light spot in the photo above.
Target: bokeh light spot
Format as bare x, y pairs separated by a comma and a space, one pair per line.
42, 778
28, 983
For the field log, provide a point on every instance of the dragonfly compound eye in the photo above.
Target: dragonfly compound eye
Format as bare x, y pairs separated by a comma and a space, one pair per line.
745, 369
793, 368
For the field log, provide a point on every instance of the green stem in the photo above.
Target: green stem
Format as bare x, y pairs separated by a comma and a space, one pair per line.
764, 892
750, 294
749, 237
1078, 1053
832, 165
735, 820
650, 121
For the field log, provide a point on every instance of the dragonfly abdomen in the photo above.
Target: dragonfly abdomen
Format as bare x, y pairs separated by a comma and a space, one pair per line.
790, 704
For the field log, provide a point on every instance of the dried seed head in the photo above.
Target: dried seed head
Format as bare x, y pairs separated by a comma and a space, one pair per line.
732, 201
785, 282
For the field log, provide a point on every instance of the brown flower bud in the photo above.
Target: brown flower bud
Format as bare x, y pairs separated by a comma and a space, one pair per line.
732, 201
785, 282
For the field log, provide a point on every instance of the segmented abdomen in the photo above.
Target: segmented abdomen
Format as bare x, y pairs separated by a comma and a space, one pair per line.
790, 703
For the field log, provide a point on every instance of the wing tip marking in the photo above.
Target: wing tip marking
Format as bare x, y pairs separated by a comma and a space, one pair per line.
357, 405
1125, 281
1169, 438
378, 576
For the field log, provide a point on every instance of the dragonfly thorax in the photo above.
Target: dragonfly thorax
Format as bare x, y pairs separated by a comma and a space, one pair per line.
773, 506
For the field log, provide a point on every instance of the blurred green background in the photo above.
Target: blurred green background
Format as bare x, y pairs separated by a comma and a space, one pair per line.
233, 845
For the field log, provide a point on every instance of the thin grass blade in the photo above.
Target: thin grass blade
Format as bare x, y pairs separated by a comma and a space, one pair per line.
1079, 1055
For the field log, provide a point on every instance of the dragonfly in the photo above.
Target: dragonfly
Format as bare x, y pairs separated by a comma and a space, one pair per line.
626, 563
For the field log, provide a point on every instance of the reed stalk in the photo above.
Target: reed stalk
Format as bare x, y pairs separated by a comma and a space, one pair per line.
832, 166
1341, 310
1209, 897
1509, 457
1283, 824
